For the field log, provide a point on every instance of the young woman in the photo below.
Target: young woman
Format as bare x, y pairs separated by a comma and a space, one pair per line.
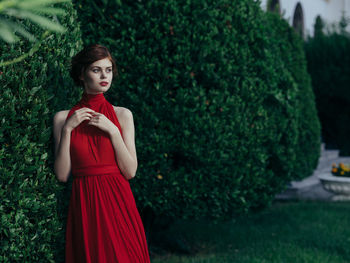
94, 141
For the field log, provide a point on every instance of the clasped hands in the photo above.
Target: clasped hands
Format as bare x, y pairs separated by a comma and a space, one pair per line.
100, 121
94, 118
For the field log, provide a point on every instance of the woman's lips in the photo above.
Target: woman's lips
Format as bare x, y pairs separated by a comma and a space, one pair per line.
103, 83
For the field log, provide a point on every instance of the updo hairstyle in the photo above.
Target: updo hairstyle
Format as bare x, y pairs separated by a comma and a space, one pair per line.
82, 60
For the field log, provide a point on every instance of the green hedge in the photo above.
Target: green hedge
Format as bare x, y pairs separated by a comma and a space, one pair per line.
32, 203
220, 114
290, 47
328, 57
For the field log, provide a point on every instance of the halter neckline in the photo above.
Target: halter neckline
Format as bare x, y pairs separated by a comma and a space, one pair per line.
92, 99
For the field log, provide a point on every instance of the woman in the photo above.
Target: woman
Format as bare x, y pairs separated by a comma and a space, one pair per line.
94, 141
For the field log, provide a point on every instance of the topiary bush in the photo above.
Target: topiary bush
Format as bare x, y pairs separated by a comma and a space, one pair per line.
290, 47
32, 200
218, 109
328, 57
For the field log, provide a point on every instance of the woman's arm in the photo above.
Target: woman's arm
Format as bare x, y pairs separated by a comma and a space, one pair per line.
124, 147
62, 133
62, 136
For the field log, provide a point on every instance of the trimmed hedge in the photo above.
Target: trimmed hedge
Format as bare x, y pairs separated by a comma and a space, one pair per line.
328, 57
290, 47
32, 200
222, 110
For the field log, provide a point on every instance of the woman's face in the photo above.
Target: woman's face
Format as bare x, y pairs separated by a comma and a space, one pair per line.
98, 76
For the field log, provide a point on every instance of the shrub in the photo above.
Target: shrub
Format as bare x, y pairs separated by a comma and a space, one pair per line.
290, 47
32, 201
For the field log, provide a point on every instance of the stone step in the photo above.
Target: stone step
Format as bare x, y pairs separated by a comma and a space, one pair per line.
331, 154
307, 182
311, 187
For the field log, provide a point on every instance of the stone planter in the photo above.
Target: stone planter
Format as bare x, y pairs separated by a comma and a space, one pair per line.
338, 185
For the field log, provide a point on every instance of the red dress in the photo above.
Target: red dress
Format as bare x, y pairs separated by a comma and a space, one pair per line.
103, 223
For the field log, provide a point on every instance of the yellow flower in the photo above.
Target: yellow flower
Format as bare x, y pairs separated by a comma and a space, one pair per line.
342, 172
159, 176
341, 165
334, 170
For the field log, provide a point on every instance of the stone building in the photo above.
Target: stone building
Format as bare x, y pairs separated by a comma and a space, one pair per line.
301, 14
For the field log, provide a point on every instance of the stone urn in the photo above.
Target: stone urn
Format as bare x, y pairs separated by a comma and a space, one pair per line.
338, 185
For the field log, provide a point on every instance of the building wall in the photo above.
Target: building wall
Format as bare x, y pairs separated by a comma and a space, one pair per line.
329, 10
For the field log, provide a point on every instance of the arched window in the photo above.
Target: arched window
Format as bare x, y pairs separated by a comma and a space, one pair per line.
298, 20
274, 6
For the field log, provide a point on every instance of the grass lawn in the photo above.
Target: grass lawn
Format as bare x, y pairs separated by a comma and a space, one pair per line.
295, 232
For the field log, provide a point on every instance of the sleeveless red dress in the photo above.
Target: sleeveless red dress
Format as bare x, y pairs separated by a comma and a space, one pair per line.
103, 223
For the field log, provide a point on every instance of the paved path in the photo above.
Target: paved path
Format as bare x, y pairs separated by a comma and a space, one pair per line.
310, 188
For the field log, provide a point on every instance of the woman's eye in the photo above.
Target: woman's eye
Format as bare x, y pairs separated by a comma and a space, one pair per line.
97, 70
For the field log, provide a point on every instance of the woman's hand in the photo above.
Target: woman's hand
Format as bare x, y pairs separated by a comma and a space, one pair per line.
102, 122
78, 117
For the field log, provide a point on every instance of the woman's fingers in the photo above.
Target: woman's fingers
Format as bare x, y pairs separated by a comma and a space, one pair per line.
88, 114
85, 109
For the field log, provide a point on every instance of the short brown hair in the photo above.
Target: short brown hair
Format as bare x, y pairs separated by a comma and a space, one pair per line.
86, 57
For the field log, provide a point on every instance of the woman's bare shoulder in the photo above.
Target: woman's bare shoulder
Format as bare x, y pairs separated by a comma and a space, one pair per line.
60, 116
122, 113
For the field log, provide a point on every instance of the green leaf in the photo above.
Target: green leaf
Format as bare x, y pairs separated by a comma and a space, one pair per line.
34, 90
6, 33
16, 27
44, 156
40, 20
36, 3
